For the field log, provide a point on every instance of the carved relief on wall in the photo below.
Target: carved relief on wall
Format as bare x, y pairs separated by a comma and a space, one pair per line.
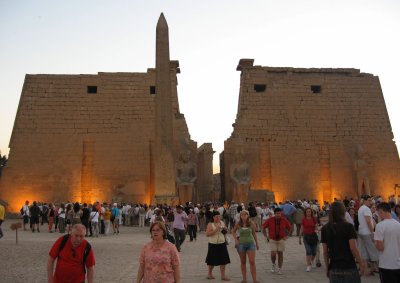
361, 164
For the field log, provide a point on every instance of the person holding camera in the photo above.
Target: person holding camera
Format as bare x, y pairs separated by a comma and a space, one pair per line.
246, 244
217, 254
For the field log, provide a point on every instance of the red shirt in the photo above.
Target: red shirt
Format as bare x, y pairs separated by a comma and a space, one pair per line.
70, 268
277, 232
308, 225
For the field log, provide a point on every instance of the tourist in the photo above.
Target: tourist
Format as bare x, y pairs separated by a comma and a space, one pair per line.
50, 216
387, 242
310, 237
115, 213
85, 217
217, 254
232, 214
68, 217
397, 212
338, 239
267, 213
34, 212
107, 220
157, 216
61, 218
178, 225
365, 233
142, 215
298, 217
192, 223
288, 211
159, 259
246, 244
77, 214
2, 216
276, 236
74, 257
350, 215
94, 222
25, 213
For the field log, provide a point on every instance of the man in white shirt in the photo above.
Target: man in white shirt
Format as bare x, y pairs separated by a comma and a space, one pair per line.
25, 213
387, 242
366, 233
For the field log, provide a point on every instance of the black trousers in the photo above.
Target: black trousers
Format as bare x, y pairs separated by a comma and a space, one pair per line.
192, 231
389, 275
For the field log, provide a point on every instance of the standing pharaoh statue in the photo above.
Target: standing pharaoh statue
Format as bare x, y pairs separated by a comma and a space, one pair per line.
186, 175
240, 175
361, 168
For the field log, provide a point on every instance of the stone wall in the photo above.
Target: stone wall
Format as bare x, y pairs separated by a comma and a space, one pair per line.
299, 130
70, 144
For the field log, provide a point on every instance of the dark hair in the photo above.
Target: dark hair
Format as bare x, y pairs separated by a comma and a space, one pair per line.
336, 214
309, 208
77, 207
162, 227
384, 206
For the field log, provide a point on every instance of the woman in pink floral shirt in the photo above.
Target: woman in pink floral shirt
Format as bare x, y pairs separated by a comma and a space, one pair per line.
159, 259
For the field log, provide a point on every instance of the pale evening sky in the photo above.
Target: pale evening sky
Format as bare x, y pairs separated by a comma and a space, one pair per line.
208, 38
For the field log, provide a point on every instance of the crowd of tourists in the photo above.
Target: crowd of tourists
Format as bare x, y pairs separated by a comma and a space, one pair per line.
357, 237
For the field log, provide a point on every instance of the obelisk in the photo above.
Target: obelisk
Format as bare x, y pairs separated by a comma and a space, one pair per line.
164, 165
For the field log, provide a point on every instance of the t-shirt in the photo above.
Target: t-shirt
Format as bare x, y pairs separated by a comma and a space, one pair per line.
363, 227
158, 262
179, 220
277, 227
2, 212
69, 268
94, 216
337, 237
115, 212
388, 231
35, 211
308, 225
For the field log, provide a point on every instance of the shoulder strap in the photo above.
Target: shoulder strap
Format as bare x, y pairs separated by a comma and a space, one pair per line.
63, 242
85, 255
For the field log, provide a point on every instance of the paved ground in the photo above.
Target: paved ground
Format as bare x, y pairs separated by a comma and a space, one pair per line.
117, 258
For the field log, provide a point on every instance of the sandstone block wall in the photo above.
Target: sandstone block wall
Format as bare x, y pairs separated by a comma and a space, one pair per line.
301, 133
56, 115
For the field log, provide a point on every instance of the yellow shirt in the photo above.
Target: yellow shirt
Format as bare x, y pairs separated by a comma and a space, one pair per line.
2, 212
107, 215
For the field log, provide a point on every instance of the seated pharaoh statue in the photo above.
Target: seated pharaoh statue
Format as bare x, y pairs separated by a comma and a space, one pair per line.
241, 178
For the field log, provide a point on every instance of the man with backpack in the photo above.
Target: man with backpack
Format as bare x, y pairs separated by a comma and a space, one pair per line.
75, 258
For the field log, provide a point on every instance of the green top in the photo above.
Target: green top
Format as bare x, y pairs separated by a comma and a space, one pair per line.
246, 235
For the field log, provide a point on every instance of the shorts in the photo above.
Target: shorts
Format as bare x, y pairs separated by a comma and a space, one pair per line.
34, 219
26, 219
311, 250
116, 221
277, 246
242, 248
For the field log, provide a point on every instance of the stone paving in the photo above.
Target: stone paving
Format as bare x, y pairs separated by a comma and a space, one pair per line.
117, 258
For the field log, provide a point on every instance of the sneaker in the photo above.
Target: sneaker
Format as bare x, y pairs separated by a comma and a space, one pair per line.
308, 268
273, 269
279, 271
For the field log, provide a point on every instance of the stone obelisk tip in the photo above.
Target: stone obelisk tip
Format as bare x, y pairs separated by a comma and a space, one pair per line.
162, 22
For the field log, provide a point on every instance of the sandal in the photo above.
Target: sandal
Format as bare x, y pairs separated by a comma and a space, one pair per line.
210, 277
225, 279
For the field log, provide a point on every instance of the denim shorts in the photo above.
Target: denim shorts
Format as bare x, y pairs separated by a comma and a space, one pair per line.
311, 250
246, 247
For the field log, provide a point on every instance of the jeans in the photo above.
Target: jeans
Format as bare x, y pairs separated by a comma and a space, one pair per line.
179, 238
344, 276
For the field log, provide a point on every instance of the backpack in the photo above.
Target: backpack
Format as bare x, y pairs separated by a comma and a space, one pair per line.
252, 211
85, 253
22, 211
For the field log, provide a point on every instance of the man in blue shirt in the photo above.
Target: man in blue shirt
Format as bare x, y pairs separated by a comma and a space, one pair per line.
288, 211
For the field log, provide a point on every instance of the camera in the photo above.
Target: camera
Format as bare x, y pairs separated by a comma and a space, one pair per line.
224, 230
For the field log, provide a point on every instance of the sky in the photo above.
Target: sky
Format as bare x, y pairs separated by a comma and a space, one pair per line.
208, 37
